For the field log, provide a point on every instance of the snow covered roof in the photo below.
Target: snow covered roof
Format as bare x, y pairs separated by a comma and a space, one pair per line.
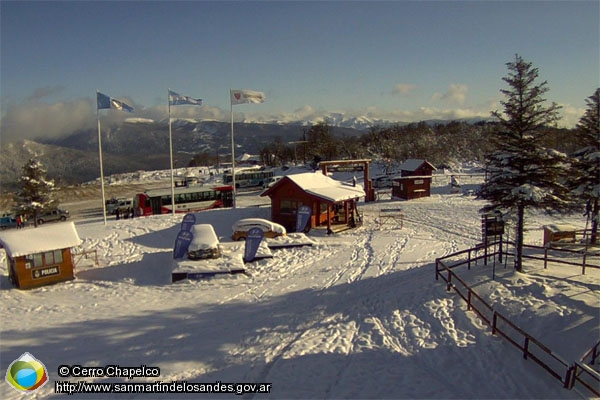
413, 163
317, 184
21, 242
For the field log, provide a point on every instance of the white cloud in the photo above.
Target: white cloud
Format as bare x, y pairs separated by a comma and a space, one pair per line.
570, 115
36, 119
457, 94
403, 89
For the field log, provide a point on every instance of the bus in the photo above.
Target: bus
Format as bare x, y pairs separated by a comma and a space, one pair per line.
248, 177
187, 199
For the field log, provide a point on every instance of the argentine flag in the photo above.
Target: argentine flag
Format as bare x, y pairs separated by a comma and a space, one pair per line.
176, 99
105, 101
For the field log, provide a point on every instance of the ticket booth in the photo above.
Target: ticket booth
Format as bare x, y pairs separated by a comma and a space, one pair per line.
40, 256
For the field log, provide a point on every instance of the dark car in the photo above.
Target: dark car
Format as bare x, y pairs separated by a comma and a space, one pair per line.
8, 222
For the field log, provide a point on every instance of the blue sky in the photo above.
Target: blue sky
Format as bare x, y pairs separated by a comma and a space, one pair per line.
397, 60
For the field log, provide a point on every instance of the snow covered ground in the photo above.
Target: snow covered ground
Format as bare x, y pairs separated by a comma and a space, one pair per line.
357, 315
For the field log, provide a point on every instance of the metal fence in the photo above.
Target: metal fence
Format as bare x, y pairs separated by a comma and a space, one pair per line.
576, 374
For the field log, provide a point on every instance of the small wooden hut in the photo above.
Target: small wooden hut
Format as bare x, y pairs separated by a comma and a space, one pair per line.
40, 256
333, 203
415, 180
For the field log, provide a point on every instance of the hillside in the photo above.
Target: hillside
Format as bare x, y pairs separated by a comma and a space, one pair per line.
137, 146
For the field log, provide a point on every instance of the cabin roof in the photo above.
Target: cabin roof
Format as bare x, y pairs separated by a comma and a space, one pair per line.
412, 164
319, 185
21, 242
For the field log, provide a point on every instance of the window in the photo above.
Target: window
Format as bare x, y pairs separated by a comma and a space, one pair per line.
49, 257
34, 260
289, 206
419, 181
58, 256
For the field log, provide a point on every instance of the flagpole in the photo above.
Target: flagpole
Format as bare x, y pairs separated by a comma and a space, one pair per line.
232, 152
100, 156
171, 153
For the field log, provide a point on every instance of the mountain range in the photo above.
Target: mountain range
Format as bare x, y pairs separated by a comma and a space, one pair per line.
143, 144
140, 144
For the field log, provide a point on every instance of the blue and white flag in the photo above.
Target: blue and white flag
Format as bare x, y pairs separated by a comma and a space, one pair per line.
105, 102
253, 239
188, 221
302, 218
176, 99
182, 243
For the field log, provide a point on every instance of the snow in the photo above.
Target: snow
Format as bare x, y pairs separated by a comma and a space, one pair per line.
412, 164
355, 315
323, 186
23, 242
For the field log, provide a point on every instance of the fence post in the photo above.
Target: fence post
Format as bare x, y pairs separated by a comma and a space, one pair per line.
570, 377
469, 260
494, 321
449, 285
545, 258
583, 265
437, 260
469, 299
526, 347
500, 251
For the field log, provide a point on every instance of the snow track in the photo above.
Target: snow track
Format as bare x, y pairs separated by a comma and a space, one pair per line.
356, 315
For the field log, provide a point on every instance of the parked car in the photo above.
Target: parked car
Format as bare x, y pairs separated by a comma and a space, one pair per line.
121, 204
270, 229
8, 222
54, 215
271, 181
205, 243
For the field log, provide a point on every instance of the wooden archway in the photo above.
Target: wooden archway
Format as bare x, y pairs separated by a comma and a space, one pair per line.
369, 191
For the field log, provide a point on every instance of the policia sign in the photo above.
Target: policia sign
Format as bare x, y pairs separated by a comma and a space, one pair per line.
45, 272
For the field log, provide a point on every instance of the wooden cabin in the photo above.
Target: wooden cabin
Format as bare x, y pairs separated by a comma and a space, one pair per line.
414, 181
40, 256
333, 203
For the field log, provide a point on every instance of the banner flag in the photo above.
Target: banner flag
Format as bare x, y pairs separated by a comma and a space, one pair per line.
253, 239
176, 99
182, 243
246, 96
105, 102
188, 221
302, 218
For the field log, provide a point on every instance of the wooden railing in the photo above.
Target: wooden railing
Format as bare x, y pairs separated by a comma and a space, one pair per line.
577, 374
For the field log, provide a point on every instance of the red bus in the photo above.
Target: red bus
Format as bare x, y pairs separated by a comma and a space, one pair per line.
187, 199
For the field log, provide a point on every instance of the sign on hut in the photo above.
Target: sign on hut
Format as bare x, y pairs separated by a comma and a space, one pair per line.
40, 256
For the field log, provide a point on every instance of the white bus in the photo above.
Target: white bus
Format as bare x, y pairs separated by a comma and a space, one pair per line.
249, 177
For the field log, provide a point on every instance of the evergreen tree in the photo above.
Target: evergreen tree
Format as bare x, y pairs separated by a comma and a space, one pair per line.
586, 176
523, 174
35, 191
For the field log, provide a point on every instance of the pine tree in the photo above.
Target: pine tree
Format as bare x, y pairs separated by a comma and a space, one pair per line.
586, 176
35, 191
522, 174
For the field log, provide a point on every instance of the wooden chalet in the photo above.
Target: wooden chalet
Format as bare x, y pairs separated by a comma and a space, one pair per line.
414, 181
333, 203
40, 256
